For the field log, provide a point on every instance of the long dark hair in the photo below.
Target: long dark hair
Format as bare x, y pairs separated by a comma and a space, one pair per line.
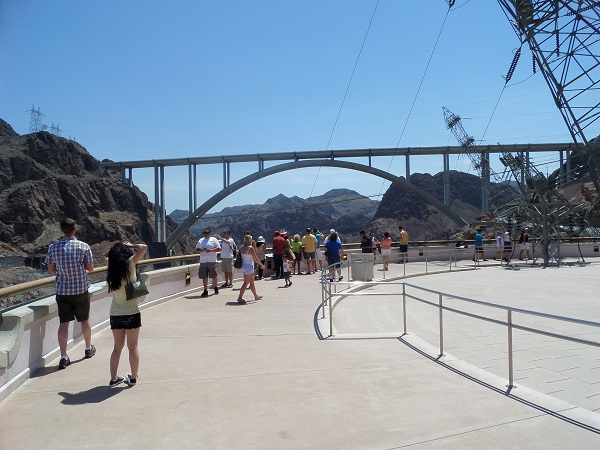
118, 269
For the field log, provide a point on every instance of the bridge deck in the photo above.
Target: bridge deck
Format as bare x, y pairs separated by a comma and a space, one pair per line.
215, 374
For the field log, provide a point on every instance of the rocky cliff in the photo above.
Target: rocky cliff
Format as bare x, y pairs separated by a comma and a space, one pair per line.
44, 178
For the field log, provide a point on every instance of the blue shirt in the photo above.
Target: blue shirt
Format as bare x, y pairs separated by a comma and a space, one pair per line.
70, 256
318, 236
478, 240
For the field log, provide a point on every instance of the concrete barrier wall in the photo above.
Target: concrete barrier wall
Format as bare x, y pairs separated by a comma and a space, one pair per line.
28, 333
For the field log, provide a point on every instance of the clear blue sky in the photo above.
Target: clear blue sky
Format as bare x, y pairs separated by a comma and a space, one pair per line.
134, 80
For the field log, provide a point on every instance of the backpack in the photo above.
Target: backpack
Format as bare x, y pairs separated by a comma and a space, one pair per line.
234, 250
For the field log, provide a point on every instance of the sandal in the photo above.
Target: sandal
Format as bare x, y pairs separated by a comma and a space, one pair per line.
258, 297
241, 301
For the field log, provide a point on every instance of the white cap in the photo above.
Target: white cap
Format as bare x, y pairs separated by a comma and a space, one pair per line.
331, 231
506, 232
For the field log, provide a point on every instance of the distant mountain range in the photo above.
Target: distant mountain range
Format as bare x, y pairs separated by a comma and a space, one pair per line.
344, 210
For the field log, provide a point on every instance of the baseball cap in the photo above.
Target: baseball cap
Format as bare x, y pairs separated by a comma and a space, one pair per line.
332, 231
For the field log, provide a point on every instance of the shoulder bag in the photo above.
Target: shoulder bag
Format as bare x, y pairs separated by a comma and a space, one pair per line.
238, 260
137, 288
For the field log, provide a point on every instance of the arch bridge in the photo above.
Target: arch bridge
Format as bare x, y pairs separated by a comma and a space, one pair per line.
297, 160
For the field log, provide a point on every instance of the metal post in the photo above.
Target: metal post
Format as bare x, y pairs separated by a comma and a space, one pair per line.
131, 177
323, 296
330, 301
510, 351
450, 262
426, 267
441, 327
404, 305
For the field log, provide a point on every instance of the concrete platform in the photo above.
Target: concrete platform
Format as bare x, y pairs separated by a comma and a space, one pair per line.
215, 374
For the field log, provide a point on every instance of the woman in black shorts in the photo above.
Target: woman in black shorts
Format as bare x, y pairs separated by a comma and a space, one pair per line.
125, 317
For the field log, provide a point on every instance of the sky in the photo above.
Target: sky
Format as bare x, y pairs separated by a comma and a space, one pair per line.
141, 80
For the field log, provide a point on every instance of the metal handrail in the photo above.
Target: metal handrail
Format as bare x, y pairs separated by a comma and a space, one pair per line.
328, 296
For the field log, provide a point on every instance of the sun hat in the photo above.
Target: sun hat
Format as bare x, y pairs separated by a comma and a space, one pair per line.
260, 239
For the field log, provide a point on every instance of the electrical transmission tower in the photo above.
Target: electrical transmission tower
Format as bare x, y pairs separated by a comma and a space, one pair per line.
536, 204
480, 160
55, 130
564, 38
35, 123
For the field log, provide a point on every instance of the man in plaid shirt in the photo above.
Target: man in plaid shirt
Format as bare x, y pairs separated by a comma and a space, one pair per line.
70, 260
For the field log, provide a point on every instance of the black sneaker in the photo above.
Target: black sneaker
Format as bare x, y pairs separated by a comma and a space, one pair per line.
216, 291
91, 352
129, 380
225, 285
116, 381
63, 363
204, 294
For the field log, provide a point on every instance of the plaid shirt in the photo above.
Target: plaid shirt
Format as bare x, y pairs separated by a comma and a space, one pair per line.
70, 256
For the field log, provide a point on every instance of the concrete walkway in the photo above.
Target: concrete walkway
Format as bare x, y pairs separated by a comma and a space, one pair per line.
215, 374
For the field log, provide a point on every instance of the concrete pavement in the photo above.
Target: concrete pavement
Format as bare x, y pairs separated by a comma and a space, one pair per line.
215, 374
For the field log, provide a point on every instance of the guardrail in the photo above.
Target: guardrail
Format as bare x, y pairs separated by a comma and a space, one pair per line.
329, 292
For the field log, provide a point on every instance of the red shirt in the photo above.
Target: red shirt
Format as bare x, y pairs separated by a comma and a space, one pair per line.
278, 244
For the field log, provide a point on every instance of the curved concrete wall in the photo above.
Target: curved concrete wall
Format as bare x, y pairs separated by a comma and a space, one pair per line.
28, 333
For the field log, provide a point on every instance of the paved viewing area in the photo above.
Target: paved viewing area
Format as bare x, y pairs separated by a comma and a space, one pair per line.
216, 374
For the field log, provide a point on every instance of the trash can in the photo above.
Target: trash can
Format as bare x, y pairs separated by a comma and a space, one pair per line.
361, 266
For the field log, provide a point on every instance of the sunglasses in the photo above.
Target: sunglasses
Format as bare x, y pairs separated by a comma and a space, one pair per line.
207, 232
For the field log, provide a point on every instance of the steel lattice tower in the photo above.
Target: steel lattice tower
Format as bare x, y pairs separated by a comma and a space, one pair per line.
35, 123
564, 38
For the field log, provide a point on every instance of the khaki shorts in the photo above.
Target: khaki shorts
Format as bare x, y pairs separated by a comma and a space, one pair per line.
73, 306
309, 255
227, 265
207, 270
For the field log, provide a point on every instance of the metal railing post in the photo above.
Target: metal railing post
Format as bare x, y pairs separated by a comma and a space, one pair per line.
404, 305
323, 296
441, 326
426, 258
330, 310
450, 262
510, 350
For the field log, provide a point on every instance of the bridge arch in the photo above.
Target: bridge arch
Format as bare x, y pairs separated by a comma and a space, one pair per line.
233, 187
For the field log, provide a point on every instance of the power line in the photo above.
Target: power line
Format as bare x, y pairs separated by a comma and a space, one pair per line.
346, 93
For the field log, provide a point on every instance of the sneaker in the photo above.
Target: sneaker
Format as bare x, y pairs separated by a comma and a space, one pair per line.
225, 285
129, 380
204, 294
116, 381
241, 301
91, 352
341, 277
216, 291
63, 363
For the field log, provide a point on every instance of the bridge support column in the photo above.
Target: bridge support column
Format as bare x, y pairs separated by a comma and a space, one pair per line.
568, 175
160, 216
407, 159
190, 190
446, 179
485, 181
561, 172
226, 174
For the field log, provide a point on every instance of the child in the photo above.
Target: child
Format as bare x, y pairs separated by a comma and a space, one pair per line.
286, 270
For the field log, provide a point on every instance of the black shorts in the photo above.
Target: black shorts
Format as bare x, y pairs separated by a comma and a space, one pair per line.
126, 322
403, 248
73, 306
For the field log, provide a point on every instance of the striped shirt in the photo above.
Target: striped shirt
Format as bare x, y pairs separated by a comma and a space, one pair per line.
70, 256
